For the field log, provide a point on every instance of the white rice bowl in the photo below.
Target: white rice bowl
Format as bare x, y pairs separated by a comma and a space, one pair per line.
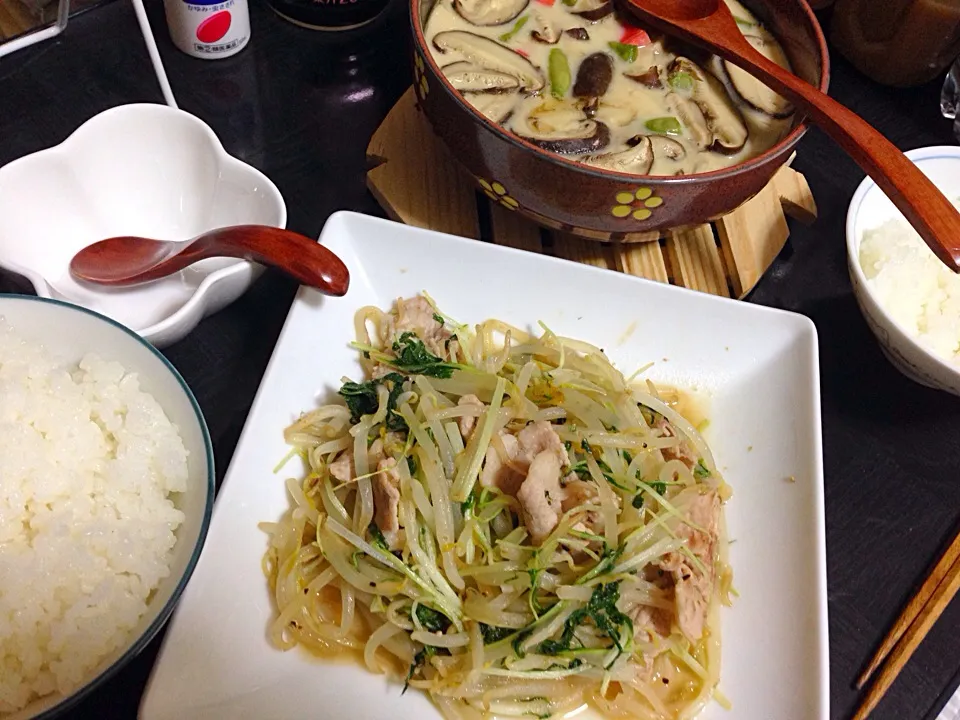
90, 468
917, 290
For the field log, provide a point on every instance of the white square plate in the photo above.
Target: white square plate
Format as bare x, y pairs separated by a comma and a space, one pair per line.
753, 369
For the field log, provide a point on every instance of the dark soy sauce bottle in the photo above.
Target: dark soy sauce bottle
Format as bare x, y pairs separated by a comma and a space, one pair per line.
329, 14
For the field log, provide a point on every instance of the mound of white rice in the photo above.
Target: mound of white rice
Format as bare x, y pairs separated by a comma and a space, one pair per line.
913, 286
87, 464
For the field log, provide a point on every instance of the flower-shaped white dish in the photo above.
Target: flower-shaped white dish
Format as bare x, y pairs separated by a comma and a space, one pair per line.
146, 170
869, 209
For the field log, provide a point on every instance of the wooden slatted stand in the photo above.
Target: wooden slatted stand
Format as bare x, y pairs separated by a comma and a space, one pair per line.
417, 181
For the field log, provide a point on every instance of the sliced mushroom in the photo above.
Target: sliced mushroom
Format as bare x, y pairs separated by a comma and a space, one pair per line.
592, 10
489, 12
649, 77
669, 156
691, 117
751, 91
496, 107
491, 55
469, 77
723, 120
616, 115
637, 160
593, 76
578, 33
544, 32
730, 133
563, 130
667, 148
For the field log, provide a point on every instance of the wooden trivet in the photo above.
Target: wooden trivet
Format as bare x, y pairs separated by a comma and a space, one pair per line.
416, 180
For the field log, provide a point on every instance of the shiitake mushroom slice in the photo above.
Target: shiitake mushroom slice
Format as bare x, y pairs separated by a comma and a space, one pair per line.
496, 107
490, 54
649, 78
592, 10
593, 76
484, 13
750, 91
469, 77
544, 31
726, 129
563, 130
636, 160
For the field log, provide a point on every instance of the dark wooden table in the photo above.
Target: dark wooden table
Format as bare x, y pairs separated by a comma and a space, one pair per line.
301, 106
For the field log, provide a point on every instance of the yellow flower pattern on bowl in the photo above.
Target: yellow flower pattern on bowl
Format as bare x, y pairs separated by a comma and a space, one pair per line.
498, 193
638, 204
420, 84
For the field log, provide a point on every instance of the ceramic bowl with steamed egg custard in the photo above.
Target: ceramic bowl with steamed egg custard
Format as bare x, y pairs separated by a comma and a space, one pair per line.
571, 115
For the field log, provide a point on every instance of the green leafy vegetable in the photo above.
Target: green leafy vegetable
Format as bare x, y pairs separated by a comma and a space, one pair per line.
432, 620
468, 504
701, 471
607, 560
362, 399
439, 318
664, 126
413, 357
583, 472
412, 464
559, 73
627, 52
532, 600
517, 643
602, 611
658, 487
378, 539
506, 37
419, 660
493, 633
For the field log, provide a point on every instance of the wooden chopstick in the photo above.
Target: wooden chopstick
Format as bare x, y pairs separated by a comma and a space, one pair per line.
913, 608
912, 627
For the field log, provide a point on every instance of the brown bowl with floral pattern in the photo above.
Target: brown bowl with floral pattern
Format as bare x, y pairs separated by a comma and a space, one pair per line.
561, 193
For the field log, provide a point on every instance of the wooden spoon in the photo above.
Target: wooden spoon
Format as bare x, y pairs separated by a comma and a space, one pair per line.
131, 260
710, 25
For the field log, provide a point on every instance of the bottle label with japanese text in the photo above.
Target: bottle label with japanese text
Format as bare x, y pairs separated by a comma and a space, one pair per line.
208, 28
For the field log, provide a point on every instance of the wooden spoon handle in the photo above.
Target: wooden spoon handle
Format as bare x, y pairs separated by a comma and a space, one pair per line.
297, 255
925, 207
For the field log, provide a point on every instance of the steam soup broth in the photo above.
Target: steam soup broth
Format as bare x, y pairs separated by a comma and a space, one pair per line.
576, 78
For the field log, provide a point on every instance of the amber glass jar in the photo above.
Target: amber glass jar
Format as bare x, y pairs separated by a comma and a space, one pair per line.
898, 42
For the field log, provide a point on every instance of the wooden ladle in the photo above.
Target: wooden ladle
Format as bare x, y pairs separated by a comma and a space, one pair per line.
709, 24
130, 260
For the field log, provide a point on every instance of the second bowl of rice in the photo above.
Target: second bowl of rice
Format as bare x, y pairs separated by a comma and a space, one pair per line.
106, 491
911, 301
